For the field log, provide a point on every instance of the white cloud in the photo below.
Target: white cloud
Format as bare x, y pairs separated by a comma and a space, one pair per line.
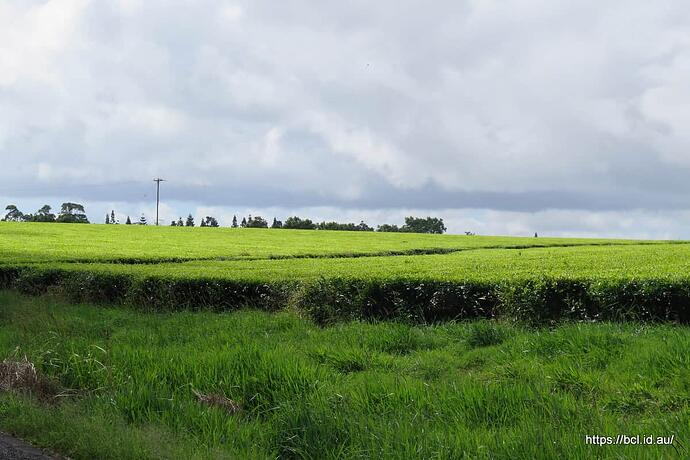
346, 103
231, 12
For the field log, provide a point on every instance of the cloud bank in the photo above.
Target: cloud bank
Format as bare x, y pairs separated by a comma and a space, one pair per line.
507, 111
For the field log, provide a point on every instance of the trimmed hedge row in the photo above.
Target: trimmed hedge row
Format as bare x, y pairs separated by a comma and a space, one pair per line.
532, 301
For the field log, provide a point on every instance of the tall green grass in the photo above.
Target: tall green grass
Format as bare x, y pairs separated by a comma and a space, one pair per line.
481, 389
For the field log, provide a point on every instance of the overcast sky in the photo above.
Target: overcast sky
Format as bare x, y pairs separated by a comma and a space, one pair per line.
503, 117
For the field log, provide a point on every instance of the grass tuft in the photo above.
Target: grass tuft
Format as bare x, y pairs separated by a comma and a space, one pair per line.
485, 334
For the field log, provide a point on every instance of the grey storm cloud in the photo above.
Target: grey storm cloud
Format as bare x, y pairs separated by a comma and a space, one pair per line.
513, 105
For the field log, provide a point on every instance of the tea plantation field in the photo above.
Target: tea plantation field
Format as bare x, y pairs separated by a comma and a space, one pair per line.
335, 276
36, 242
143, 342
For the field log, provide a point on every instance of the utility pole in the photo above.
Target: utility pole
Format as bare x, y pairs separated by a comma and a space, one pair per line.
158, 181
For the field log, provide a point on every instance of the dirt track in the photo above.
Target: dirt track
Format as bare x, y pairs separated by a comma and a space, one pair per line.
15, 449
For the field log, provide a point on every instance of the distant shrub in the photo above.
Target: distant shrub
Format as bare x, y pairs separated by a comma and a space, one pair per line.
349, 227
298, 223
388, 228
256, 222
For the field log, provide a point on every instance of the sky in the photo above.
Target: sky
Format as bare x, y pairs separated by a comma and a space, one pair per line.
567, 118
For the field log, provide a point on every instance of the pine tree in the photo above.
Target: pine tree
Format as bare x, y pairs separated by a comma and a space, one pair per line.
234, 221
244, 223
173, 223
112, 217
142, 220
190, 221
129, 221
257, 222
180, 223
203, 223
210, 221
276, 223
107, 219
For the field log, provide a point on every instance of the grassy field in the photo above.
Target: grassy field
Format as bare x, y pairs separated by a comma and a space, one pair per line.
337, 276
245, 343
356, 390
662, 261
38, 242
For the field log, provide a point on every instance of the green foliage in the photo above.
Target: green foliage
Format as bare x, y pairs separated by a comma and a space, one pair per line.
295, 222
387, 228
40, 243
209, 221
483, 389
72, 213
110, 218
256, 222
349, 227
13, 214
190, 221
423, 225
415, 278
42, 215
484, 334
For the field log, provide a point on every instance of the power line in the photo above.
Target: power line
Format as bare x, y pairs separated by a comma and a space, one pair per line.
158, 181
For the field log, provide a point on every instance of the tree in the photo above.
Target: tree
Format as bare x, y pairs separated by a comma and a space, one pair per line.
128, 221
276, 223
363, 227
423, 225
107, 219
348, 227
257, 222
388, 228
234, 221
190, 221
210, 221
72, 213
203, 223
180, 223
13, 214
244, 223
297, 223
142, 220
43, 215
112, 217
173, 223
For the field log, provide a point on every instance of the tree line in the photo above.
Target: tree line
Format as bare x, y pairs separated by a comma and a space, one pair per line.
412, 224
70, 213
75, 213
